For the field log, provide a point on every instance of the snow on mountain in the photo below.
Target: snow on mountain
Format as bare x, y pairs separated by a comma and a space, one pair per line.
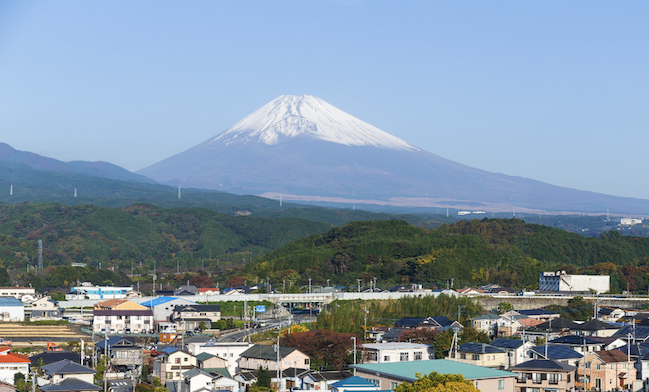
291, 116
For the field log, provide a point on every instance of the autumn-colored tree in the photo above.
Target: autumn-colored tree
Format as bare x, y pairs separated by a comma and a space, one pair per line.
235, 281
327, 349
201, 281
436, 382
419, 335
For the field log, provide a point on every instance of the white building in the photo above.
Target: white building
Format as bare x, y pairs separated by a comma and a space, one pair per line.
99, 292
18, 292
396, 352
630, 221
560, 281
12, 363
230, 351
11, 309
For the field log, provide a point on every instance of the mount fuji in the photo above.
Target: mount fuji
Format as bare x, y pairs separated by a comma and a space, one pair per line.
303, 148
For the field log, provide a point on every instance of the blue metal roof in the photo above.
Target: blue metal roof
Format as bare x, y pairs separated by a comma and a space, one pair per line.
639, 332
161, 300
557, 351
353, 381
10, 301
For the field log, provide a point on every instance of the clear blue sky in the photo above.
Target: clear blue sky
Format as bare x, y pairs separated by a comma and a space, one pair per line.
552, 90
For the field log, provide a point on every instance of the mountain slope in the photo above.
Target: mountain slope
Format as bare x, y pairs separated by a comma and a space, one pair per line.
97, 169
301, 145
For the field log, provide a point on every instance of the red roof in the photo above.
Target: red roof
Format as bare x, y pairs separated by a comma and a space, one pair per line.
203, 290
13, 358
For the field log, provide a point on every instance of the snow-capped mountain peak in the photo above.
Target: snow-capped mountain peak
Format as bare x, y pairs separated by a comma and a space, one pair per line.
290, 116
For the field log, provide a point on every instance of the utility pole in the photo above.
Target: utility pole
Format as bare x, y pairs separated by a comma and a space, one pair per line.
365, 326
359, 285
354, 339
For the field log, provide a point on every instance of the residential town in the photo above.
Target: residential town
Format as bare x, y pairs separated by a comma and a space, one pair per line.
183, 343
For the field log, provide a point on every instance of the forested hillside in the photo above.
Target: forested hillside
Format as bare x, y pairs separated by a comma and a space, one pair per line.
117, 237
504, 251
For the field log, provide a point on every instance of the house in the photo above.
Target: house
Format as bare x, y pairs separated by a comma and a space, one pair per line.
198, 379
510, 324
376, 334
480, 354
209, 291
354, 383
265, 356
597, 328
56, 372
207, 361
171, 364
638, 333
539, 314
396, 351
122, 321
389, 375
470, 292
581, 344
393, 334
436, 322
11, 309
190, 317
45, 308
322, 380
516, 349
230, 351
610, 343
552, 329
99, 292
186, 290
124, 354
118, 304
607, 370
556, 352
11, 364
70, 385
544, 375
486, 323
609, 313
48, 357
163, 307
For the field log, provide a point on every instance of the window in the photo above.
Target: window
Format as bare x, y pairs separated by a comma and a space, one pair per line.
587, 365
403, 357
463, 356
393, 386
475, 357
306, 361
598, 366
170, 375
374, 381
554, 378
386, 358
417, 355
186, 359
598, 383
501, 384
373, 356
537, 378
177, 360
612, 367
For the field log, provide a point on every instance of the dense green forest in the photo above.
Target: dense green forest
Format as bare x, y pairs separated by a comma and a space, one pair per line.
141, 233
508, 252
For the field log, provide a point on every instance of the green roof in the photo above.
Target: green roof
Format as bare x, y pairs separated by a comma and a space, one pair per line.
204, 356
408, 371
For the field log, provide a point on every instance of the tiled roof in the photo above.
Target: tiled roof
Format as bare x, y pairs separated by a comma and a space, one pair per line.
574, 340
70, 384
14, 358
596, 325
197, 308
639, 332
330, 375
530, 322
122, 312
486, 317
611, 356
48, 357
558, 324
259, 351
113, 340
66, 367
409, 371
535, 312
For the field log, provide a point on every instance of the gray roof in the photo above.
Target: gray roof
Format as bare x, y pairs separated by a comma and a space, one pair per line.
543, 364
259, 351
193, 372
479, 348
66, 367
70, 384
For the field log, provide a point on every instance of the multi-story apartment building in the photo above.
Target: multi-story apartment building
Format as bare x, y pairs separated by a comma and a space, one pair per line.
396, 352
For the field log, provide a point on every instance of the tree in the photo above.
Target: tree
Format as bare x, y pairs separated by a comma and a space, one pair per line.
325, 347
470, 334
436, 382
263, 377
201, 281
504, 307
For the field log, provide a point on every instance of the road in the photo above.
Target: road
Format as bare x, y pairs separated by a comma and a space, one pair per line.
239, 335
